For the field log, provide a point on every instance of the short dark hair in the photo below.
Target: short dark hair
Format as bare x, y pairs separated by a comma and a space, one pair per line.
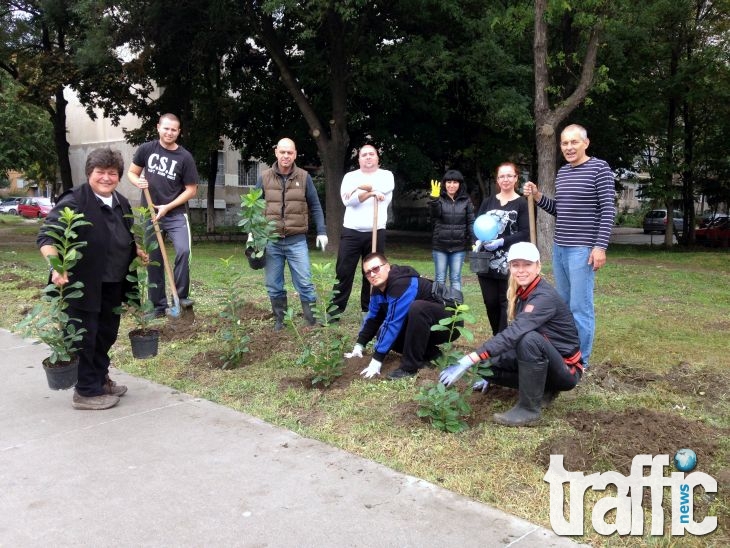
169, 116
453, 175
374, 255
104, 158
369, 145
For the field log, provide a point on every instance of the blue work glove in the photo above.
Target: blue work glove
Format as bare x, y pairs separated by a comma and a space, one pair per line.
454, 372
494, 244
481, 385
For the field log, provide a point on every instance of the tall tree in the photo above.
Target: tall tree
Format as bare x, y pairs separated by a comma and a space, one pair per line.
26, 136
548, 118
320, 40
37, 40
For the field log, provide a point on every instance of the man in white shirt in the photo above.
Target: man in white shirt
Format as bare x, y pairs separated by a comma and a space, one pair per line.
361, 190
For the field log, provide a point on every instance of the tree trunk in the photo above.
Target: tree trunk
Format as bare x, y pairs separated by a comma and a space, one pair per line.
58, 116
332, 143
210, 207
547, 120
669, 153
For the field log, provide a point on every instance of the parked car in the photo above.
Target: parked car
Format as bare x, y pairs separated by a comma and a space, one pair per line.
656, 221
716, 234
35, 207
10, 205
709, 219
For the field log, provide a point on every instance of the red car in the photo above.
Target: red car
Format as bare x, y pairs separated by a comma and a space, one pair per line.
716, 233
34, 208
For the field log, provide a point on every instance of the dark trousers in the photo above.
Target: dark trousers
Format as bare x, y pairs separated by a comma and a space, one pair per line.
494, 295
354, 246
416, 343
533, 347
177, 228
102, 328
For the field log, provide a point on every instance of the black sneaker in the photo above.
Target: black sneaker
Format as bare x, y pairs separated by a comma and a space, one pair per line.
187, 303
401, 374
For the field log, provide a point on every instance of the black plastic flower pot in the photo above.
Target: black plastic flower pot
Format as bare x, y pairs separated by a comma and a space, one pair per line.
479, 261
256, 263
62, 376
144, 343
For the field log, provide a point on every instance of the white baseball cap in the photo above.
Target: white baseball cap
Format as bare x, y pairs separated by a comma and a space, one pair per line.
525, 251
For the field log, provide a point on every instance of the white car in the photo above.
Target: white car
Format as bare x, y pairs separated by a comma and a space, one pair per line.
10, 206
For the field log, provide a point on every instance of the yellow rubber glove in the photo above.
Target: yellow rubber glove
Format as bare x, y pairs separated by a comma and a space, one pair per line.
435, 188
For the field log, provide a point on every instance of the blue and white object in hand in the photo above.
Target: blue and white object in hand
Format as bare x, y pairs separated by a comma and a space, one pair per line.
486, 227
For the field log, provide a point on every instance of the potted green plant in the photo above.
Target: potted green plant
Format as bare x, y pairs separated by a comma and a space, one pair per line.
48, 320
260, 230
145, 336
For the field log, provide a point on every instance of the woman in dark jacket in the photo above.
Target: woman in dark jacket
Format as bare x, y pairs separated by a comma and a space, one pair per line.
103, 268
511, 210
452, 215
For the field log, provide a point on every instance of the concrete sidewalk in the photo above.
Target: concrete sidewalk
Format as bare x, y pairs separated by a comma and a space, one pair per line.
165, 469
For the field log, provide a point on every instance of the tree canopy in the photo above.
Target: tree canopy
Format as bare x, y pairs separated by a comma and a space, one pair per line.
434, 84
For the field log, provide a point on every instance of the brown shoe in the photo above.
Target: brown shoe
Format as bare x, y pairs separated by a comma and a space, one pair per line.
105, 401
114, 389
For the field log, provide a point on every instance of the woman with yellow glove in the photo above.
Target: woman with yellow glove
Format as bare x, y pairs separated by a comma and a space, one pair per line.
452, 216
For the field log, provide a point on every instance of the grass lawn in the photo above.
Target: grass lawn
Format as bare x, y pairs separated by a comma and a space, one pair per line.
659, 378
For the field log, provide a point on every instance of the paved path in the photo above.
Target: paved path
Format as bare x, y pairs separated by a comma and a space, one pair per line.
166, 469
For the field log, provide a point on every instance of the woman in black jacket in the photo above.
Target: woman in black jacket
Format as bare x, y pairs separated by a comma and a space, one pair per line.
511, 210
452, 215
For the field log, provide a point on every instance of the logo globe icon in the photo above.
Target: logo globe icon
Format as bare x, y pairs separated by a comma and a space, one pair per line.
685, 460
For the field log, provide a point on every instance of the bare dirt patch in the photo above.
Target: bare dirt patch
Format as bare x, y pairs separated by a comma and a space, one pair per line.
619, 378
10, 277
616, 437
185, 327
207, 360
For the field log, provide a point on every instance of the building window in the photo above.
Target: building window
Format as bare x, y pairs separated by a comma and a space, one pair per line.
248, 173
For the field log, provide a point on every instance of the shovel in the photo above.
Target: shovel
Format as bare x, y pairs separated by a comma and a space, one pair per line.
531, 215
174, 311
374, 246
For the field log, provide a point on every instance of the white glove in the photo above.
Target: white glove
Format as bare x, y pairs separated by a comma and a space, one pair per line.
494, 244
454, 372
356, 352
322, 241
250, 238
476, 245
372, 369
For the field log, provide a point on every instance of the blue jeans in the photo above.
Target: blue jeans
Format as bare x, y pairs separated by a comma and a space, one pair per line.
453, 261
292, 249
574, 279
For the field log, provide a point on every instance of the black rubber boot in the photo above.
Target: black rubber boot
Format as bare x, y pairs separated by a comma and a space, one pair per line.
532, 386
548, 398
278, 307
308, 313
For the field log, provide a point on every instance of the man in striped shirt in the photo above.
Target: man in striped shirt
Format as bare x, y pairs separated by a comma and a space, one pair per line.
584, 213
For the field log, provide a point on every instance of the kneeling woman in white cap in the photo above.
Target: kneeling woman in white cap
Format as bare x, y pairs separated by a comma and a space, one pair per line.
538, 352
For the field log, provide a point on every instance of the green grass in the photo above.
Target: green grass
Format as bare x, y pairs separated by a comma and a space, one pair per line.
658, 312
